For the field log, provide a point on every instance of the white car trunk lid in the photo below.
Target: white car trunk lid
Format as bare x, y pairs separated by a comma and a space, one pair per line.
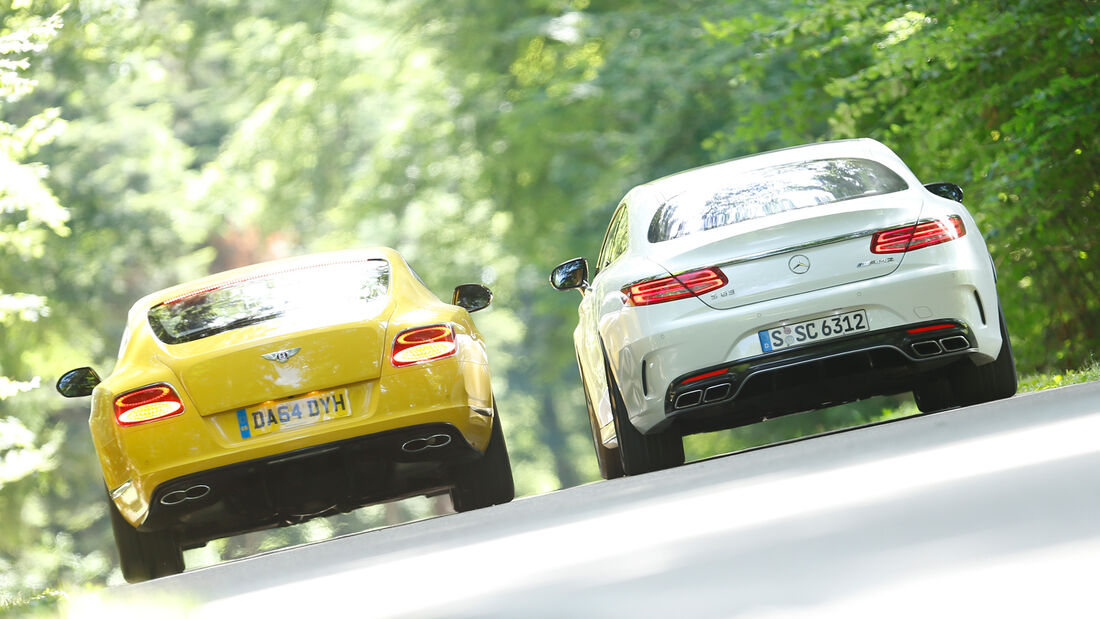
795, 252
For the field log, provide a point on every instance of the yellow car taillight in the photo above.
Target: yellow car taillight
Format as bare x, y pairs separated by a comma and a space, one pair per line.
423, 344
147, 404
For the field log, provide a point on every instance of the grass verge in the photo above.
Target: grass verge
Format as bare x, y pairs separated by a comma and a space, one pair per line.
1038, 382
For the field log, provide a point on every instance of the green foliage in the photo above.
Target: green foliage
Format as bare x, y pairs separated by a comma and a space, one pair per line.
1049, 380
112, 163
1001, 101
29, 213
44, 604
486, 140
29, 216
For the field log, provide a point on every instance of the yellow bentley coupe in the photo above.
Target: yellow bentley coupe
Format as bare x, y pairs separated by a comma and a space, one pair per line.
271, 394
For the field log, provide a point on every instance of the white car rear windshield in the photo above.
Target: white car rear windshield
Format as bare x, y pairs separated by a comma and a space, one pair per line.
767, 191
332, 291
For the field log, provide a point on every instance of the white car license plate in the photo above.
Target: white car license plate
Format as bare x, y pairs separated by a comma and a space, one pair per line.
810, 331
294, 413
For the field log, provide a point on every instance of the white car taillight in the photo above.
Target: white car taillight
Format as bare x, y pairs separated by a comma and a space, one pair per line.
923, 234
675, 287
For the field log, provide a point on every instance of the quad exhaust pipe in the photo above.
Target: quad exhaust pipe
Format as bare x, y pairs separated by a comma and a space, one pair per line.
715, 393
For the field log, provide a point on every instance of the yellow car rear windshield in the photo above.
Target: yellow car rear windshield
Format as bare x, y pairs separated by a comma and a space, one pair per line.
331, 291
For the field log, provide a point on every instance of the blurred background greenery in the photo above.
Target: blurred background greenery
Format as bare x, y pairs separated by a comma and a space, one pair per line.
143, 143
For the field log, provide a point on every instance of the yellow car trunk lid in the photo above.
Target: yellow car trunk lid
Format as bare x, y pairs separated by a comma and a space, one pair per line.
251, 367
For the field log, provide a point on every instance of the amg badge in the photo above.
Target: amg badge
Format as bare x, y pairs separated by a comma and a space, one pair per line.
885, 260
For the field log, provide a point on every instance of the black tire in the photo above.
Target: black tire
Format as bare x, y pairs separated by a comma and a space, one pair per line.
144, 556
611, 466
965, 384
607, 458
935, 393
992, 381
487, 480
641, 453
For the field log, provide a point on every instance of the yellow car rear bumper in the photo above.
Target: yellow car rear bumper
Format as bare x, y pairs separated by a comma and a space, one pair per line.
451, 392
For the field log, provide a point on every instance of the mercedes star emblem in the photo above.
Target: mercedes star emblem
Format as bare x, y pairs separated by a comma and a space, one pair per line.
799, 264
282, 355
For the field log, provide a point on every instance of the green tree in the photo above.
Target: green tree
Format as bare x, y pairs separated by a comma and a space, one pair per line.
120, 173
30, 219
999, 97
569, 105
486, 140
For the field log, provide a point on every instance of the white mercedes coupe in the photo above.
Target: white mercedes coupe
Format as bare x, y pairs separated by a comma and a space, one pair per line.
777, 283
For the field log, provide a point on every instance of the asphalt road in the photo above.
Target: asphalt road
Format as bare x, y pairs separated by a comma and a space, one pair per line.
988, 511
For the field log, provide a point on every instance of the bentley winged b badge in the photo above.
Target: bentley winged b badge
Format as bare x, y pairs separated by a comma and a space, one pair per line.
281, 355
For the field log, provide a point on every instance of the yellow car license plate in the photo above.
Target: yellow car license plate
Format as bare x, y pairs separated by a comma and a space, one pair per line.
293, 413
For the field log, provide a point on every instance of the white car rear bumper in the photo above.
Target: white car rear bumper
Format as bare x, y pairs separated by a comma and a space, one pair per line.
651, 347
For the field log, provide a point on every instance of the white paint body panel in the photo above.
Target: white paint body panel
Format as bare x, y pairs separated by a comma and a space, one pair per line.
675, 338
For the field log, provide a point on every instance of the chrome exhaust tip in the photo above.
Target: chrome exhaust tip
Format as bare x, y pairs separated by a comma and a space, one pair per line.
418, 445
689, 398
716, 392
954, 343
928, 348
176, 497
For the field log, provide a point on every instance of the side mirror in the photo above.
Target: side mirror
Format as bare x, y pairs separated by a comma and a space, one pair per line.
77, 383
570, 274
951, 191
472, 297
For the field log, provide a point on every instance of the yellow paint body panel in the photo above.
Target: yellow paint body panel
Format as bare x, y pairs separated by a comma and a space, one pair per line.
219, 375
